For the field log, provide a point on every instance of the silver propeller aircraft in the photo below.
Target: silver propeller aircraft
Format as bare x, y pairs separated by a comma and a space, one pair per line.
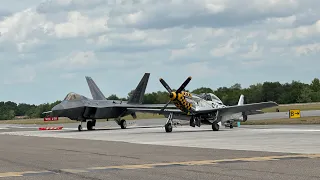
205, 108
80, 108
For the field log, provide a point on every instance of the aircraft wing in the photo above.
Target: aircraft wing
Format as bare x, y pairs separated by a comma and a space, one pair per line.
241, 108
125, 105
144, 105
166, 111
250, 108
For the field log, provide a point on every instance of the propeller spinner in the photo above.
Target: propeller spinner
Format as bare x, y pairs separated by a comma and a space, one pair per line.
174, 94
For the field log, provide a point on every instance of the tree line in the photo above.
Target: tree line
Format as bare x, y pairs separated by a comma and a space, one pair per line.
282, 93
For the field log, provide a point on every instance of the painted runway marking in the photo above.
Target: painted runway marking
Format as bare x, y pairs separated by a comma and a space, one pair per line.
161, 165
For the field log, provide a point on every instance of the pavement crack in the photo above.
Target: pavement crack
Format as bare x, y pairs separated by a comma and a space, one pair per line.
96, 153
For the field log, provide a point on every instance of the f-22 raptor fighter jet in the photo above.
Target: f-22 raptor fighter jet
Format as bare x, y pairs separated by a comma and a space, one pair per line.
205, 108
80, 108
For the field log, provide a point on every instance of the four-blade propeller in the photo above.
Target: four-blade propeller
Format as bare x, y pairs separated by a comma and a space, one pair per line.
173, 94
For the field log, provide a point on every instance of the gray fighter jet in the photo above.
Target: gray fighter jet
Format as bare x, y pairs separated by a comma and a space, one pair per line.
80, 108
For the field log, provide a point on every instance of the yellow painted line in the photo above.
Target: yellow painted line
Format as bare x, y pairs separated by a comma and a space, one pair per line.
23, 173
157, 165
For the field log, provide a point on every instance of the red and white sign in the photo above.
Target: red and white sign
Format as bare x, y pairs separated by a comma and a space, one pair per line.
50, 128
50, 118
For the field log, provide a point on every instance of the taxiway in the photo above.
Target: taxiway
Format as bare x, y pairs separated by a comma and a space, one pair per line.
146, 151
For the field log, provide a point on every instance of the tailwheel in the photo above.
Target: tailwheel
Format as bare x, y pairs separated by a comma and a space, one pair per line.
123, 124
168, 127
215, 127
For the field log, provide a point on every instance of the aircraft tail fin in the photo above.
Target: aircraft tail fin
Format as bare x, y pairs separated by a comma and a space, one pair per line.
241, 100
138, 94
94, 89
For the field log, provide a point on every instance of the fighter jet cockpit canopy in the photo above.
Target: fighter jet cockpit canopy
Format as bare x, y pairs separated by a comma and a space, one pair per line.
74, 96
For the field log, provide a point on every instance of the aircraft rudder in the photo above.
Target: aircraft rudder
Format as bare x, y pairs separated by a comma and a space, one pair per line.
94, 89
138, 94
241, 100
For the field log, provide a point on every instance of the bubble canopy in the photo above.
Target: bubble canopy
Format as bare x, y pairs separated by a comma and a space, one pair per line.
73, 96
210, 97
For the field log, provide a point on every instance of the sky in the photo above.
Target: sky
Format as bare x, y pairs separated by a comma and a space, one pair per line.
48, 47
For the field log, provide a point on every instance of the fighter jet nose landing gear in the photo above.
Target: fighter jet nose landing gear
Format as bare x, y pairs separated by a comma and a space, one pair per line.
90, 124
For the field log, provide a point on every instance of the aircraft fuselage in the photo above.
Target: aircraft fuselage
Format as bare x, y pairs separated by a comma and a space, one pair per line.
79, 110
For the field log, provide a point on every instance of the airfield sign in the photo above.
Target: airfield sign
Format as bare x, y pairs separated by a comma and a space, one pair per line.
294, 113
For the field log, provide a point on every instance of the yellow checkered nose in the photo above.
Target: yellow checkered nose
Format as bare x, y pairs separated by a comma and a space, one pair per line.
173, 96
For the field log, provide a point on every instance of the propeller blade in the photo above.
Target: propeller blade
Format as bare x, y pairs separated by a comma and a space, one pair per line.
165, 85
164, 107
184, 84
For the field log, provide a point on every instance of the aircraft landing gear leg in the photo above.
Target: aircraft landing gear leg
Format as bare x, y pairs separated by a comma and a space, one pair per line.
215, 126
168, 125
93, 123
192, 123
80, 126
197, 121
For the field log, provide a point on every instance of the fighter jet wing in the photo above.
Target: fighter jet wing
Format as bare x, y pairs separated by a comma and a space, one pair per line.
144, 105
123, 105
166, 111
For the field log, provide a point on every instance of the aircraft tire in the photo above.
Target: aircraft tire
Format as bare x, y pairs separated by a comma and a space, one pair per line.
123, 124
215, 127
168, 127
89, 125
79, 128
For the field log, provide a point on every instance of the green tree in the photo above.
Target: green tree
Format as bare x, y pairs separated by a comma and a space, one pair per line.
113, 97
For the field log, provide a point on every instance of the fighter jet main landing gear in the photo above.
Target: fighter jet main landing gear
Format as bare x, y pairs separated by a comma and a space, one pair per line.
123, 124
91, 124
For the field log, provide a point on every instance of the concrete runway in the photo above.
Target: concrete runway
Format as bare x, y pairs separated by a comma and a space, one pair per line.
146, 151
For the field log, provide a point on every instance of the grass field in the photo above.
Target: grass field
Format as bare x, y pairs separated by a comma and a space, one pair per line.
282, 108
302, 107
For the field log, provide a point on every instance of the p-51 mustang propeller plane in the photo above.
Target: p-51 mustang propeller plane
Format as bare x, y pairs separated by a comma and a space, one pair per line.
80, 108
205, 108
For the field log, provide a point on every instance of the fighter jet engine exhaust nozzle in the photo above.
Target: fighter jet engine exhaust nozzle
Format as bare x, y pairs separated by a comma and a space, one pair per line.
178, 97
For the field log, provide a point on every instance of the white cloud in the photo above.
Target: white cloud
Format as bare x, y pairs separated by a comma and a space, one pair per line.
80, 25
62, 40
307, 49
229, 47
20, 75
75, 60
